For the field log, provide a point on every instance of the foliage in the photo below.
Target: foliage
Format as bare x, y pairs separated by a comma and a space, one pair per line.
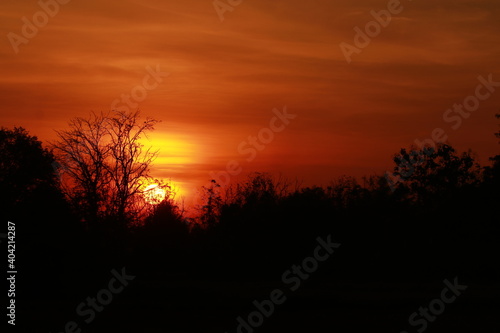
25, 167
432, 171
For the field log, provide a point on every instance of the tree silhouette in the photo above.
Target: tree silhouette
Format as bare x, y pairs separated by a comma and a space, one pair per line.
210, 210
434, 171
492, 173
25, 168
103, 165
81, 154
129, 165
31, 199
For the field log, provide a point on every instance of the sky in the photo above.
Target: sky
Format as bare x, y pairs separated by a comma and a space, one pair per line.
357, 80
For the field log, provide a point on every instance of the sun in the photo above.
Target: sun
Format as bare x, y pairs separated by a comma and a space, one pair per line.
154, 194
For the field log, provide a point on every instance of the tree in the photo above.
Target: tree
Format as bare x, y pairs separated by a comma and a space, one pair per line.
212, 199
25, 168
260, 187
31, 199
432, 171
104, 166
129, 165
81, 153
492, 173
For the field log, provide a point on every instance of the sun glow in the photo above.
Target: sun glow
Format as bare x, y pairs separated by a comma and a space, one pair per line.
154, 194
178, 152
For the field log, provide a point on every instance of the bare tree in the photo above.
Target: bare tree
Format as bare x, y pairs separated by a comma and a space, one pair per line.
128, 164
210, 211
81, 153
103, 165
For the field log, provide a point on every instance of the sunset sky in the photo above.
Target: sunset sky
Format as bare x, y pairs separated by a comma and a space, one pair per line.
226, 77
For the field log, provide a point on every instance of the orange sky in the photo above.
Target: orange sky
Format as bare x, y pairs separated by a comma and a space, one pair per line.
225, 78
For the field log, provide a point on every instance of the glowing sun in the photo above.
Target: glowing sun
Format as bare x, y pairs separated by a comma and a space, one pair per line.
154, 194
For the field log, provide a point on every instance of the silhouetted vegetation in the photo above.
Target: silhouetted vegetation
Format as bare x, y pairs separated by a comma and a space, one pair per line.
103, 167
441, 221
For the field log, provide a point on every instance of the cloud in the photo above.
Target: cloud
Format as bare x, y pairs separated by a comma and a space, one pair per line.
225, 78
